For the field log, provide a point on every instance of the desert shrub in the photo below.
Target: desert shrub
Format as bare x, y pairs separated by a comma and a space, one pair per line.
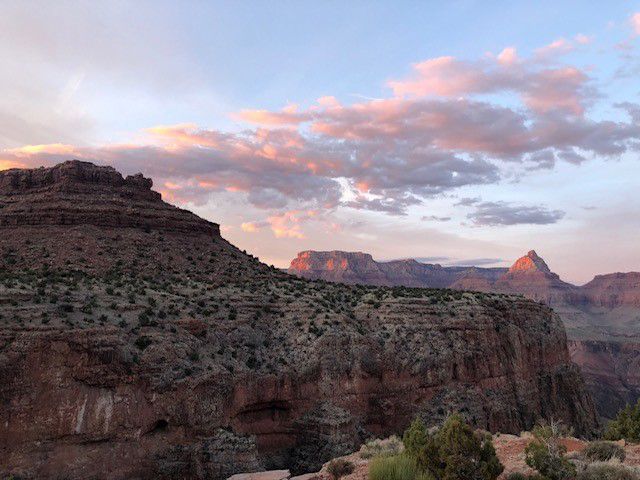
603, 451
395, 467
546, 454
377, 447
626, 425
453, 452
608, 471
415, 438
339, 467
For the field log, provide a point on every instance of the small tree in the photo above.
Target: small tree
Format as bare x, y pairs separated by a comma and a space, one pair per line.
454, 452
626, 425
546, 454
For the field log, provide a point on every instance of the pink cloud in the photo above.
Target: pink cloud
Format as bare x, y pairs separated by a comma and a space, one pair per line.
434, 133
288, 116
557, 47
539, 88
583, 39
508, 56
635, 23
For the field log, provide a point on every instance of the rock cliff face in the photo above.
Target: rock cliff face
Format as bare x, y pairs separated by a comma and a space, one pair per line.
614, 290
612, 371
80, 193
137, 343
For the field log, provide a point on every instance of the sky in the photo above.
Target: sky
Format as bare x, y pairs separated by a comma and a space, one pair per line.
462, 132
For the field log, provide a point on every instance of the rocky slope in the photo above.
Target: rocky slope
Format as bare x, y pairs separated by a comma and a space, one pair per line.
602, 317
135, 342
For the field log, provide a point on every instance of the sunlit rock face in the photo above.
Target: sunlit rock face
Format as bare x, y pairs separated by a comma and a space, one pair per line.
135, 342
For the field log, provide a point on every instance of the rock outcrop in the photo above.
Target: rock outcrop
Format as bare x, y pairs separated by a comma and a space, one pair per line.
531, 277
137, 343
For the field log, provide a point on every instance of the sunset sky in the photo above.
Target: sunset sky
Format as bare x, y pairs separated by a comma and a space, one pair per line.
457, 132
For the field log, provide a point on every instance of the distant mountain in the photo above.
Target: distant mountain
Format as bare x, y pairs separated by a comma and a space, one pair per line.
361, 268
529, 276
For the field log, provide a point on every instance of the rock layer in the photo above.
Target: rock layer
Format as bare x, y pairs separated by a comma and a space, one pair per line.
80, 193
152, 348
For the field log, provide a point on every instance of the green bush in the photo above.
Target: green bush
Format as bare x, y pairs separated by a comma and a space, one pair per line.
339, 467
395, 467
415, 438
603, 451
626, 425
546, 454
453, 452
608, 471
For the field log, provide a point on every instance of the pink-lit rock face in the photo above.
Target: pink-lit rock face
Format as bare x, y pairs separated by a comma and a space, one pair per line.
168, 353
531, 262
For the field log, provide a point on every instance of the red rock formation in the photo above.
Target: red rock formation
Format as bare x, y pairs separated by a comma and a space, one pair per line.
137, 343
80, 193
531, 277
361, 268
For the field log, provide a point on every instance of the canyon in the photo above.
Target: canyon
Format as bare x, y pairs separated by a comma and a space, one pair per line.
601, 317
135, 342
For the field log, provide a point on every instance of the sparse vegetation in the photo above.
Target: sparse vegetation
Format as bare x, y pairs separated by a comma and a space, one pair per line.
339, 467
395, 467
608, 471
375, 448
546, 453
603, 451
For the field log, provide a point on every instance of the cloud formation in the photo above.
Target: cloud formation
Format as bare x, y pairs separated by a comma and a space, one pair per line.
451, 123
504, 213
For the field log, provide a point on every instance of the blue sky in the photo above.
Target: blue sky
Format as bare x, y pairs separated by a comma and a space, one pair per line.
192, 93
